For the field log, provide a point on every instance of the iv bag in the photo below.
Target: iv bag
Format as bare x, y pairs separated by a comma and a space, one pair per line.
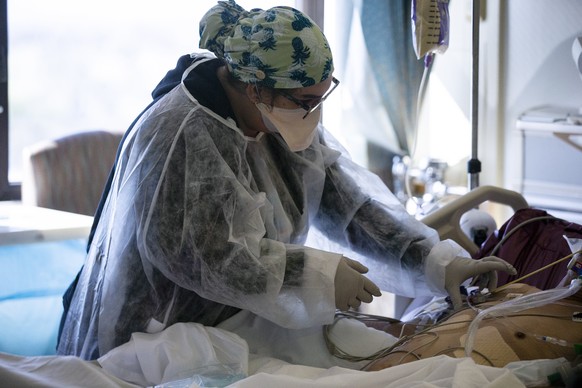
430, 26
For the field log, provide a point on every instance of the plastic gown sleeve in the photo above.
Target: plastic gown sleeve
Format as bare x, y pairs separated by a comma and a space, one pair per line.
404, 256
202, 227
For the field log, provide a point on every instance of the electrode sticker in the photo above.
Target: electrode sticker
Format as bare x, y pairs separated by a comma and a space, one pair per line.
512, 295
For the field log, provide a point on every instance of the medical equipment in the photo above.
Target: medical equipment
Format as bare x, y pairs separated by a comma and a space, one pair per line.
537, 271
297, 129
525, 302
575, 265
478, 225
474, 165
541, 332
459, 268
430, 26
430, 35
420, 187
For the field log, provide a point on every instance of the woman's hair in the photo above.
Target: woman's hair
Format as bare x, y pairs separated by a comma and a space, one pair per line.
241, 87
280, 48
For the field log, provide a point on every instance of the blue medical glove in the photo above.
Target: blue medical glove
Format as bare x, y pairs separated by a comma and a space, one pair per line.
463, 268
351, 287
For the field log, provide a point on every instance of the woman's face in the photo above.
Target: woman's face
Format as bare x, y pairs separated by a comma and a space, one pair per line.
306, 98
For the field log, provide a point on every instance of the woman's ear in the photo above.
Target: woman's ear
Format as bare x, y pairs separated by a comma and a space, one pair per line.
252, 91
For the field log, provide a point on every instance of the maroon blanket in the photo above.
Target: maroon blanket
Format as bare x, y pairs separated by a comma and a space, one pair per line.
533, 246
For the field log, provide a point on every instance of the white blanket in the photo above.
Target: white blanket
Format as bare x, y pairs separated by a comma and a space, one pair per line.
441, 371
191, 355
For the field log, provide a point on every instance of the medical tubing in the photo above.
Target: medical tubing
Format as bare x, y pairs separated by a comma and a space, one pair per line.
536, 271
516, 228
525, 302
474, 163
429, 59
552, 340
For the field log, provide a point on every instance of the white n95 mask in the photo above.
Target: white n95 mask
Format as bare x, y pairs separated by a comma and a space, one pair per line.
298, 132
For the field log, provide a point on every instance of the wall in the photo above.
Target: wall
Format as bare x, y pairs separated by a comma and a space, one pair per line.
537, 67
525, 61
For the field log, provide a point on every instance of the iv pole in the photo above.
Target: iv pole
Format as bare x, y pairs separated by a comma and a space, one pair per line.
474, 165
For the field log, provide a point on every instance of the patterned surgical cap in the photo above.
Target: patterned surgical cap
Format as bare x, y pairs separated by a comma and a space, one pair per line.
280, 48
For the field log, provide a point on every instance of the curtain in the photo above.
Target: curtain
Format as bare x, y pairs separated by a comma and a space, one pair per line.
380, 75
386, 26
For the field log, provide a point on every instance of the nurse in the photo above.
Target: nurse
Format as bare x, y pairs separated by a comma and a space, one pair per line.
228, 195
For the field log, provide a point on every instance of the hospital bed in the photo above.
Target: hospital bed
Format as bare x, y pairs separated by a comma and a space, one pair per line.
446, 220
186, 355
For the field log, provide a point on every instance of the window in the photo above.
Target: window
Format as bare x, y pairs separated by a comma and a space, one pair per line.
68, 66
82, 65
443, 128
5, 189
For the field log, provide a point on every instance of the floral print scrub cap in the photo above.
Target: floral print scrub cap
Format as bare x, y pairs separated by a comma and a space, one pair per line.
280, 48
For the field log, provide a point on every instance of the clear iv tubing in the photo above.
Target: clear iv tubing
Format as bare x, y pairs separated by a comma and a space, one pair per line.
525, 302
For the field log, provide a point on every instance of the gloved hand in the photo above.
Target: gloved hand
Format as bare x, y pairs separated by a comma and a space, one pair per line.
463, 268
351, 287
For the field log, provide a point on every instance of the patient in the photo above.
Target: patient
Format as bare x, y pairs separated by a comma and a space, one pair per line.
545, 332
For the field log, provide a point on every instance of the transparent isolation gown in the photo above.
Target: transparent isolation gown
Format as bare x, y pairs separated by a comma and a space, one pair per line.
202, 221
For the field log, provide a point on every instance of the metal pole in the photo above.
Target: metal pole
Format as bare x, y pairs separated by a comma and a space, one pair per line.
474, 165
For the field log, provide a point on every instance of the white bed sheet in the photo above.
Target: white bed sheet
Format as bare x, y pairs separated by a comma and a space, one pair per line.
172, 359
440, 371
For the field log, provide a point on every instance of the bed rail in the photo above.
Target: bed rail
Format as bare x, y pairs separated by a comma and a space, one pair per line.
446, 220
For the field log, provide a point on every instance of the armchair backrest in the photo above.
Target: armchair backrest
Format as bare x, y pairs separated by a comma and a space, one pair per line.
69, 173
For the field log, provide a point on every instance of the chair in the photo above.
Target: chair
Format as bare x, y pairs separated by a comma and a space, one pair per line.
69, 173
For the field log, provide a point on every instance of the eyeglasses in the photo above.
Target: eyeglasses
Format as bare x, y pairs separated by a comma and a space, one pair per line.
308, 108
